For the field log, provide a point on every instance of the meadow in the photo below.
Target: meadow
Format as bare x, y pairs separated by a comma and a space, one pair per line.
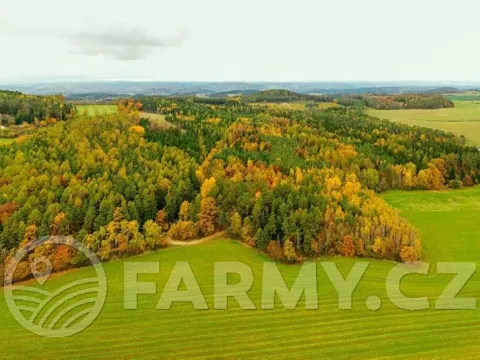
158, 120
449, 226
6, 141
94, 110
463, 119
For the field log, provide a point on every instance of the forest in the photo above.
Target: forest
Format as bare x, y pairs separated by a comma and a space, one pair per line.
18, 108
292, 183
374, 101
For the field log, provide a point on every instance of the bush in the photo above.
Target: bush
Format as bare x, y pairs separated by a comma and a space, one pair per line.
183, 230
274, 250
408, 253
455, 184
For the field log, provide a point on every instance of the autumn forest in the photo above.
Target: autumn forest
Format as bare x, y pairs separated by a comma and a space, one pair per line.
292, 183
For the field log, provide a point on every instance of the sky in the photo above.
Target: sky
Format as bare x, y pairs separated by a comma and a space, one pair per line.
247, 40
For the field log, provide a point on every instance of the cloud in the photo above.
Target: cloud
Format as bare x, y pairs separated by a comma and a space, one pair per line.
122, 43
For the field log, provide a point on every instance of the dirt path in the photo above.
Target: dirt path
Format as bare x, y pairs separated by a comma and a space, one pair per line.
172, 242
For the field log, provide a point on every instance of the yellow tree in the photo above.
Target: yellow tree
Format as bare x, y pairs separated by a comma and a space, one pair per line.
207, 218
207, 187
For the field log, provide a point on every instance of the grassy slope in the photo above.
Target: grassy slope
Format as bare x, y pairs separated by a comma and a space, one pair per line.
93, 110
450, 230
463, 119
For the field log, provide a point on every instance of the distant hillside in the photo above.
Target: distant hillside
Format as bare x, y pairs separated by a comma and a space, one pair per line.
218, 89
443, 90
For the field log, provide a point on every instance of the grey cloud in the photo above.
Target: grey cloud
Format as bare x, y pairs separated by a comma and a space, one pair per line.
122, 44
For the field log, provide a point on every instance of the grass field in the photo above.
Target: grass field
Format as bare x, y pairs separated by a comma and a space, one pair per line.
94, 110
6, 141
463, 119
450, 229
157, 120
465, 96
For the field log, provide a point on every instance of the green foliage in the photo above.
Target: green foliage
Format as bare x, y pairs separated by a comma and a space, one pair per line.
403, 101
85, 168
28, 108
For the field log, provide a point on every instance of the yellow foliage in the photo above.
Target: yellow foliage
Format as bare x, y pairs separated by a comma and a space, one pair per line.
289, 251
378, 247
408, 254
138, 129
207, 187
183, 230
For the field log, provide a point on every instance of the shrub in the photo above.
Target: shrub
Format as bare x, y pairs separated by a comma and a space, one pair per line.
183, 230
408, 253
274, 250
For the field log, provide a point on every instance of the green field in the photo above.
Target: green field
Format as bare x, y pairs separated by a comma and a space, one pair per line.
466, 96
450, 229
463, 119
6, 141
94, 110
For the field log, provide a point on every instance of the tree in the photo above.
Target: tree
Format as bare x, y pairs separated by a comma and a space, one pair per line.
183, 230
235, 228
261, 240
274, 250
289, 251
161, 220
207, 187
60, 225
153, 235
207, 218
378, 247
184, 213
348, 248
31, 233
408, 253
61, 257
117, 215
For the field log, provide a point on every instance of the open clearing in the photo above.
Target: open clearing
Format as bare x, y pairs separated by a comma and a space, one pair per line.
450, 230
463, 119
157, 120
94, 110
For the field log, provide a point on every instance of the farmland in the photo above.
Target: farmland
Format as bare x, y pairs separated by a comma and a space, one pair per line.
463, 119
94, 110
450, 230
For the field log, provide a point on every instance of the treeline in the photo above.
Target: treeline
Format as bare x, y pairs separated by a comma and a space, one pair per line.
280, 95
395, 102
18, 108
404, 157
389, 102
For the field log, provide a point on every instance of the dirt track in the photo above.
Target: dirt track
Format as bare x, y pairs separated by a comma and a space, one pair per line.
172, 242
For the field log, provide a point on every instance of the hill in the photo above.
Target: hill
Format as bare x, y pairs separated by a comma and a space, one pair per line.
443, 90
291, 183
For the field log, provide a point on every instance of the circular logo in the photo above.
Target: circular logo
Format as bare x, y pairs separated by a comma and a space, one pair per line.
62, 312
